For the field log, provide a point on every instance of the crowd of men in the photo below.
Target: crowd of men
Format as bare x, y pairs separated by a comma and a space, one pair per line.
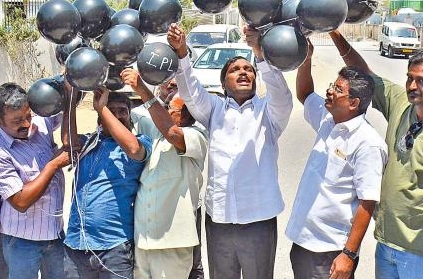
136, 208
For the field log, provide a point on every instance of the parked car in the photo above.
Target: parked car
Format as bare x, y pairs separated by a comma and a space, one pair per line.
398, 38
202, 36
208, 66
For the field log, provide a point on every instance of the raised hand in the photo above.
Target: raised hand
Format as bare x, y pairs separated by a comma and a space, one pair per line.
101, 96
252, 37
177, 39
131, 77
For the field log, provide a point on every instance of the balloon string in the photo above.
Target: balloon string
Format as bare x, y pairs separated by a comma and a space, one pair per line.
286, 20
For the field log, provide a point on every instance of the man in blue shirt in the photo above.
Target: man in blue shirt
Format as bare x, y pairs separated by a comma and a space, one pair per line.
101, 223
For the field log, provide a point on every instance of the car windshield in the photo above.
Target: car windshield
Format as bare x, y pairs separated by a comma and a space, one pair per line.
206, 38
215, 58
404, 32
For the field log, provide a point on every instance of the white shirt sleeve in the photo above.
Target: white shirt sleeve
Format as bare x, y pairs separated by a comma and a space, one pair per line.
368, 168
314, 110
198, 100
279, 105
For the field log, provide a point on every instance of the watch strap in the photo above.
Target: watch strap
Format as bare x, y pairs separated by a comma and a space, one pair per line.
352, 255
149, 103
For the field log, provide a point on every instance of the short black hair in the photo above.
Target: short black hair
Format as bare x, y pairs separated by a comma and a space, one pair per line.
361, 86
416, 59
12, 96
120, 98
228, 63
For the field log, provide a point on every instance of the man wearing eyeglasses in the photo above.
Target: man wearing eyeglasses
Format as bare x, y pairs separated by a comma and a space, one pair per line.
399, 215
341, 181
168, 197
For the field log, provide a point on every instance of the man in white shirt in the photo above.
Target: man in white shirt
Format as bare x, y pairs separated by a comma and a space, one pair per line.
242, 194
341, 181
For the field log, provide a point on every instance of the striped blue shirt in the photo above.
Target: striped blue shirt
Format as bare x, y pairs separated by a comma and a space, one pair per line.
21, 162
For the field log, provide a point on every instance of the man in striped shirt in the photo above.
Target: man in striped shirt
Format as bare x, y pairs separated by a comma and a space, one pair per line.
32, 187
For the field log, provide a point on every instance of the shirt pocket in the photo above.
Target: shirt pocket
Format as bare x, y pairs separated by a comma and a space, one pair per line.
168, 162
335, 168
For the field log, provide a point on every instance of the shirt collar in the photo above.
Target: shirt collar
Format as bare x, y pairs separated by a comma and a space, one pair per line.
231, 101
351, 124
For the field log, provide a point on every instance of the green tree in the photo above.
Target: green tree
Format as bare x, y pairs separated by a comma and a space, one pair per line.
18, 39
117, 4
188, 23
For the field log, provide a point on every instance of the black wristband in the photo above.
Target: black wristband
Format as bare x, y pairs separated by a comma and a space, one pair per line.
349, 253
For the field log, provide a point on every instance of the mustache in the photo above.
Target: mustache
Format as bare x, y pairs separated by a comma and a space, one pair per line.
413, 92
23, 130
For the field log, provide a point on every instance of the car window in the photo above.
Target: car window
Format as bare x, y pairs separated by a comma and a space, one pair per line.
404, 32
206, 38
214, 58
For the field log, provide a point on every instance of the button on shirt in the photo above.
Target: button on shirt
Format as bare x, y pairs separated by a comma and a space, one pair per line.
106, 185
243, 173
345, 165
21, 161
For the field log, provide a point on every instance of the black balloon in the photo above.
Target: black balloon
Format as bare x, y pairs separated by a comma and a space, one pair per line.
157, 63
62, 51
156, 15
58, 21
212, 6
95, 16
126, 16
259, 13
114, 81
284, 47
360, 10
134, 4
322, 15
86, 69
121, 44
46, 96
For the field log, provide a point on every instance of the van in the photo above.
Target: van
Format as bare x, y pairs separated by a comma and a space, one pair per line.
201, 36
398, 39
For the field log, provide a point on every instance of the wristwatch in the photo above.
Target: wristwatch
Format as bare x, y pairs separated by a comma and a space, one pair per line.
349, 253
149, 103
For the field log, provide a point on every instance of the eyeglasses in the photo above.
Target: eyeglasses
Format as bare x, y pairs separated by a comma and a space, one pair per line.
415, 128
336, 89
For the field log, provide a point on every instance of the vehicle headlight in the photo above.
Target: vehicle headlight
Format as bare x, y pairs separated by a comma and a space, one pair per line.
417, 45
397, 44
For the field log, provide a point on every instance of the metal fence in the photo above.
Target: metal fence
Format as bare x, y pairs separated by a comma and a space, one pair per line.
29, 9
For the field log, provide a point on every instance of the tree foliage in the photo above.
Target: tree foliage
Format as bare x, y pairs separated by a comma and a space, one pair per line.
18, 39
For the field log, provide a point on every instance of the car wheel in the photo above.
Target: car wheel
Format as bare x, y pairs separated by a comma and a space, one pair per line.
382, 52
390, 52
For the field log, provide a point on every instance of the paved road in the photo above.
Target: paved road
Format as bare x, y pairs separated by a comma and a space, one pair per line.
298, 138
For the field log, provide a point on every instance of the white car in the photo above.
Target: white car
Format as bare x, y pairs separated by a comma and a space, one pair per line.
208, 66
201, 36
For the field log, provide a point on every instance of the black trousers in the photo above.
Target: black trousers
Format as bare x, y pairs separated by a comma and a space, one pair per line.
249, 249
311, 265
